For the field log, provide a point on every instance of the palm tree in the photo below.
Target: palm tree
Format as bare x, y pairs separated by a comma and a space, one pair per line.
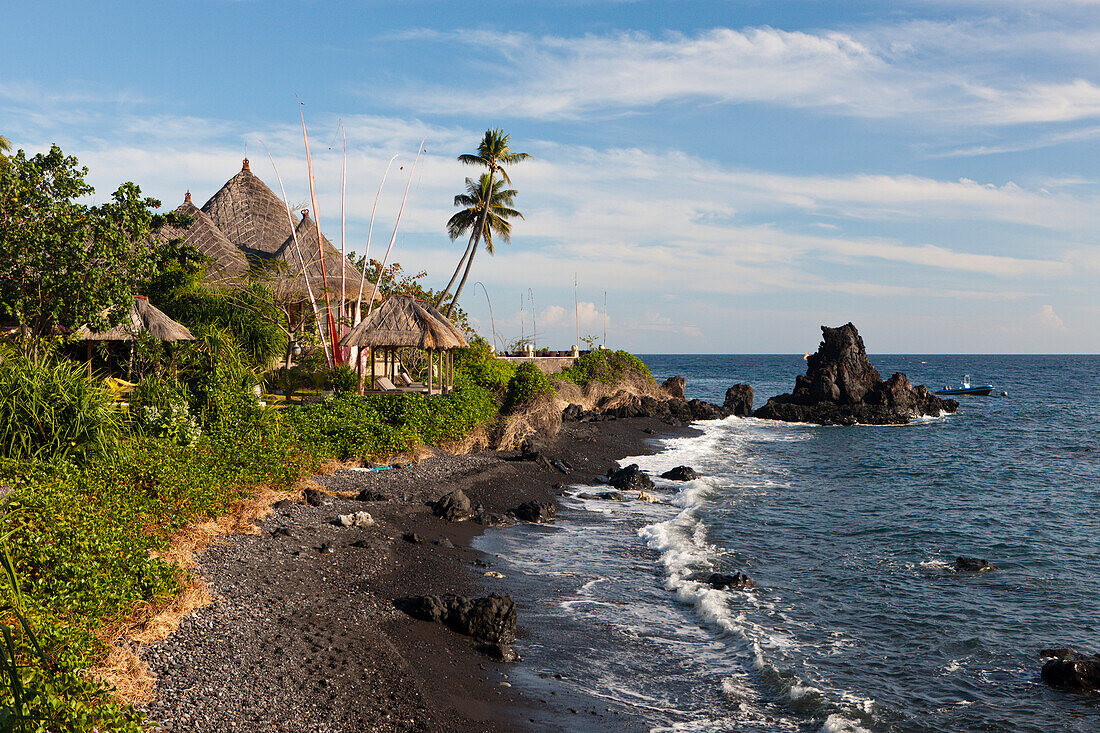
487, 205
493, 153
5, 145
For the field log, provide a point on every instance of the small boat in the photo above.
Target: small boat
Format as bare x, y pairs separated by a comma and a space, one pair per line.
966, 388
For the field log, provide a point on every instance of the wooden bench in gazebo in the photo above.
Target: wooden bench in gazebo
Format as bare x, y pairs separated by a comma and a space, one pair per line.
402, 321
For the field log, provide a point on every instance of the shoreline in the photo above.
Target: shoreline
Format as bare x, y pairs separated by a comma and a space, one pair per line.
303, 634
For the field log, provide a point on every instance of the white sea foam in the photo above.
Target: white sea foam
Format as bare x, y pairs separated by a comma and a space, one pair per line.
683, 548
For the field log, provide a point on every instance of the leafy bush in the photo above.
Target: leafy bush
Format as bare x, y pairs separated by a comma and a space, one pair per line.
606, 366
374, 426
478, 365
52, 411
83, 537
246, 315
528, 382
344, 379
221, 383
159, 407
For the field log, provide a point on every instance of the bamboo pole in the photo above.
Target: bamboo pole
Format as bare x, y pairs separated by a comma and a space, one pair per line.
335, 358
343, 254
370, 230
298, 250
393, 237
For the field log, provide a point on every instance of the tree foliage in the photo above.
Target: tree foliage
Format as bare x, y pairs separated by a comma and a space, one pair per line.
493, 153
64, 262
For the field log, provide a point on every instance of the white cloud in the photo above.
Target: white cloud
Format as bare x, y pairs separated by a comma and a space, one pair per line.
900, 71
1048, 319
552, 315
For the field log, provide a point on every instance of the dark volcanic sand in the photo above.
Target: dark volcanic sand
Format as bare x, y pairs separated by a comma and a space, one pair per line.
300, 639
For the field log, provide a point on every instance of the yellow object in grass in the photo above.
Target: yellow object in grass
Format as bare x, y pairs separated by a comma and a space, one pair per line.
119, 386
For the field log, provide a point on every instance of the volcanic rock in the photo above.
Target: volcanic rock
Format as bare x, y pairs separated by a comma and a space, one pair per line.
701, 410
841, 387
973, 565
739, 400
454, 506
724, 581
680, 473
630, 478
315, 497
1069, 669
541, 512
491, 619
675, 386
602, 496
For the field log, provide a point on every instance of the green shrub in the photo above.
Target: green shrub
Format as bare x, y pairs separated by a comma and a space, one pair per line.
478, 365
375, 426
221, 383
159, 407
528, 382
245, 314
610, 367
82, 538
52, 411
344, 379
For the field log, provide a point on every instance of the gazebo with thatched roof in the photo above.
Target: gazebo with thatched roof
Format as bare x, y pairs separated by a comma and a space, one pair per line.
144, 317
402, 321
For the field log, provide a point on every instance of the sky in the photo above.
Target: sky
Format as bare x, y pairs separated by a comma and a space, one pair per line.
732, 174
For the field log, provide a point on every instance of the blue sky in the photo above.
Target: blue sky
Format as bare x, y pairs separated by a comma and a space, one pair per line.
733, 174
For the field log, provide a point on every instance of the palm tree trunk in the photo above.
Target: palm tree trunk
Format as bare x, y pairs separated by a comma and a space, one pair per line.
443, 293
461, 285
475, 238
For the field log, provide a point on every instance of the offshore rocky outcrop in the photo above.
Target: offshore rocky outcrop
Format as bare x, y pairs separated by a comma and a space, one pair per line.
841, 387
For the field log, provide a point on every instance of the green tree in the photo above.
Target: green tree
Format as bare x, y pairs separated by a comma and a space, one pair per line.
63, 263
493, 153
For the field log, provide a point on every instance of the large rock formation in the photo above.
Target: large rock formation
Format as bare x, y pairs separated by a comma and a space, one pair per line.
739, 400
1069, 669
841, 387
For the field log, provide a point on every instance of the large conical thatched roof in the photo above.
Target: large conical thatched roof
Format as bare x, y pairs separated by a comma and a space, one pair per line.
249, 214
405, 321
229, 265
306, 232
143, 318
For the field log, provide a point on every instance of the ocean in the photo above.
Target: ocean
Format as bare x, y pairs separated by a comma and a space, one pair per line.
857, 621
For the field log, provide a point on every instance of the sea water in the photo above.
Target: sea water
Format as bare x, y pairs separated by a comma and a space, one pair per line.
857, 620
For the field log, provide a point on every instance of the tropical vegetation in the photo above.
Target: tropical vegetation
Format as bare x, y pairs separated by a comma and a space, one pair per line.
94, 485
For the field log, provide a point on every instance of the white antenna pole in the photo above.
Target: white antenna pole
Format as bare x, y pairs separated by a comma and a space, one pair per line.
397, 223
534, 328
605, 319
577, 310
298, 250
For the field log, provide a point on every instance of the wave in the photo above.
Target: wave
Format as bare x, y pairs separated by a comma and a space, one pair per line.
685, 551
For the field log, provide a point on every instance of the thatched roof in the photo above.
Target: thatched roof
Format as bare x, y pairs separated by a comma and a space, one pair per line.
229, 263
249, 214
144, 317
306, 232
405, 321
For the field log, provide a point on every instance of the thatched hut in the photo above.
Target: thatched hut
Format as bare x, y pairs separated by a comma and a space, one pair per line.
254, 221
144, 317
229, 264
249, 214
402, 322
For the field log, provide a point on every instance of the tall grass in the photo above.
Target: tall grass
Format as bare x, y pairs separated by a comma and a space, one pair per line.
51, 411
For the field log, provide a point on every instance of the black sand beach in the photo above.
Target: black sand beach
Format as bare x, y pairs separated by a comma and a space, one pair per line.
303, 634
